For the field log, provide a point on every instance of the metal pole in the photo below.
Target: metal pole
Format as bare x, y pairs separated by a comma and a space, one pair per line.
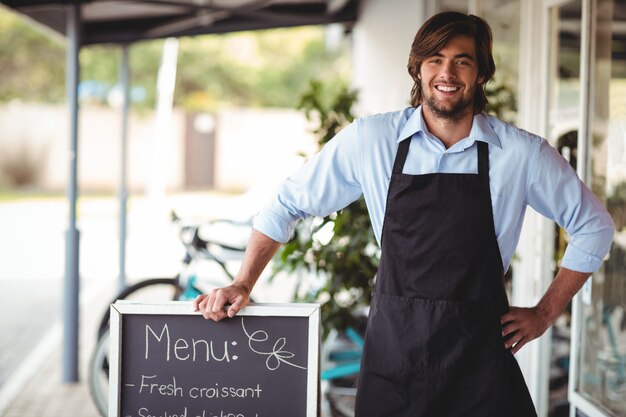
71, 290
123, 196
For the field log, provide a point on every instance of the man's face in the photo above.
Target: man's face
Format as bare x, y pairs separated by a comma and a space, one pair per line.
449, 79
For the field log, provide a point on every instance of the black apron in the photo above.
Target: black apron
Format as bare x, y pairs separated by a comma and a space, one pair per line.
434, 345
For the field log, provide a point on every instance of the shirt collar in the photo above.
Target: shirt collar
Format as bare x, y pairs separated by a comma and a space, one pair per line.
481, 128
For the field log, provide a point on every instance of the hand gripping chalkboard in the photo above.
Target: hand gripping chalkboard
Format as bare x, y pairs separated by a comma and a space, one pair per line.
167, 361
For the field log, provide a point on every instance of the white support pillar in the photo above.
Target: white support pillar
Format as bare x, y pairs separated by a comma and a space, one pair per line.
382, 42
534, 266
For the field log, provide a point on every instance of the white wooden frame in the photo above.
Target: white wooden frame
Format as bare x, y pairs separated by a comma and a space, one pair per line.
123, 307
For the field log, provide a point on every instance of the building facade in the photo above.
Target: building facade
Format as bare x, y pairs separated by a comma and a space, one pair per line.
564, 64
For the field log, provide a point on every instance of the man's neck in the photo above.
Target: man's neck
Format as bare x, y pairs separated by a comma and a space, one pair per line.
448, 131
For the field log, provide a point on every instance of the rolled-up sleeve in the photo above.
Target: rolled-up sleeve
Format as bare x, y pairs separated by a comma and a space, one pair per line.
328, 182
555, 191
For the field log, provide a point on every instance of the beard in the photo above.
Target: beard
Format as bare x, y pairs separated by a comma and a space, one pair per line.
454, 113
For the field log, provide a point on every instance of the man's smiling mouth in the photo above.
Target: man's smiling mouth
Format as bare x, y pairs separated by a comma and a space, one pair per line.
447, 88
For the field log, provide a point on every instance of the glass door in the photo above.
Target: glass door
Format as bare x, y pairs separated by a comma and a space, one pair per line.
600, 385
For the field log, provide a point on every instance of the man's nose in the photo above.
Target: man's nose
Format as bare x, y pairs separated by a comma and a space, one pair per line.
448, 71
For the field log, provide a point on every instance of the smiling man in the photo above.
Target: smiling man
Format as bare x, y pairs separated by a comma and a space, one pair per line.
446, 187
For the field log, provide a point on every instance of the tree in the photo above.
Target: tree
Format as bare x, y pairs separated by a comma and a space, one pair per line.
262, 68
32, 65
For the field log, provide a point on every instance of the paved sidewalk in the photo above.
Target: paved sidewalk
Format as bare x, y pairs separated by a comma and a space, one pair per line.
45, 396
40, 392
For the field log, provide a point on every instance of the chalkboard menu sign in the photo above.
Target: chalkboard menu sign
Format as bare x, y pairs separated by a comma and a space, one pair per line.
167, 361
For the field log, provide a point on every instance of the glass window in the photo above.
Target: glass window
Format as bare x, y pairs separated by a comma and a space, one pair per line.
563, 120
563, 129
602, 357
503, 17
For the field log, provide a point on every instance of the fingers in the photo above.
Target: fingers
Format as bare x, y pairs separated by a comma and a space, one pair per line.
216, 305
518, 345
235, 307
512, 329
520, 326
197, 301
510, 316
211, 308
513, 339
509, 329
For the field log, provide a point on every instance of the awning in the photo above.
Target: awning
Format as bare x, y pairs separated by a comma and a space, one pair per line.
125, 21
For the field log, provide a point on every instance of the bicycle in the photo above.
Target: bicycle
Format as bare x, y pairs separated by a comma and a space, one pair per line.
184, 286
341, 352
341, 365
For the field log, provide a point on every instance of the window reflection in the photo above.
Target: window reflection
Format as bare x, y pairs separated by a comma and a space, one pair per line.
602, 376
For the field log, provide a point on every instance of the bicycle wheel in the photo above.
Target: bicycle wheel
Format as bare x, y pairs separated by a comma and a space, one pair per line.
152, 289
341, 357
341, 400
98, 376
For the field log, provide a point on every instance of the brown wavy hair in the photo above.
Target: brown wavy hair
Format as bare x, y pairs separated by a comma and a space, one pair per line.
433, 36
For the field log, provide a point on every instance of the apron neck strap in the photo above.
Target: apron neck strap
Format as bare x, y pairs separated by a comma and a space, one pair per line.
483, 158
403, 151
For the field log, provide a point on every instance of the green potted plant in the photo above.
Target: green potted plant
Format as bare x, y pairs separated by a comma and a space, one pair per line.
346, 265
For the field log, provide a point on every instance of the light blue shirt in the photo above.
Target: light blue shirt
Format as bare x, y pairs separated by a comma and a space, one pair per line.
524, 170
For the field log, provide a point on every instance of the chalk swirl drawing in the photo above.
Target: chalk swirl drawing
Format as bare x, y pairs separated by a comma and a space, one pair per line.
277, 356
